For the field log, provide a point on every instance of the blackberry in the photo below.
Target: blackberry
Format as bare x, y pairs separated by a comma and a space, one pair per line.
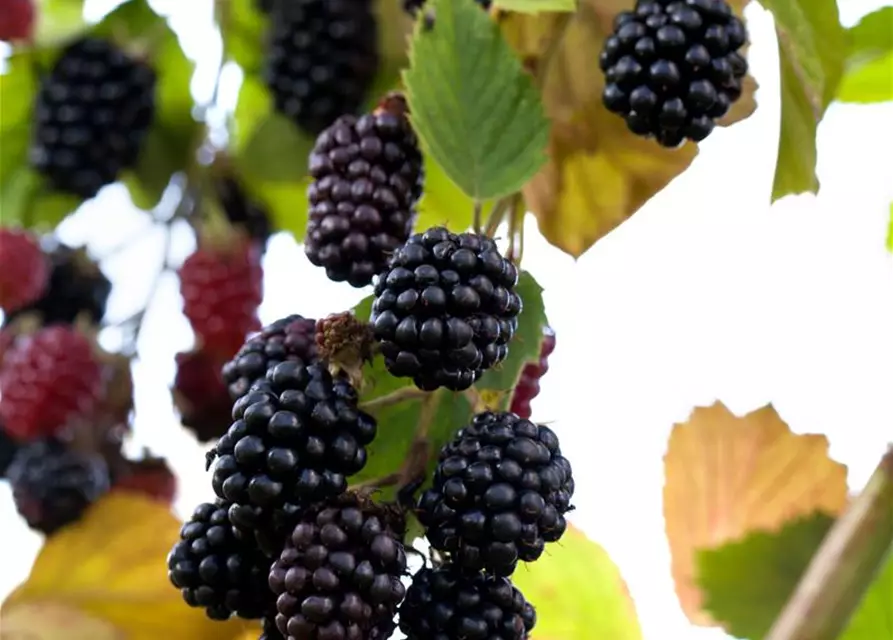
442, 604
76, 286
93, 112
338, 577
672, 67
445, 309
53, 486
500, 492
215, 570
200, 395
289, 338
367, 177
242, 212
322, 59
297, 435
528, 386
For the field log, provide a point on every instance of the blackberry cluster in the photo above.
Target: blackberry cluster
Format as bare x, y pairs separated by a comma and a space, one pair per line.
322, 59
528, 386
52, 485
443, 604
672, 67
242, 212
289, 338
93, 111
500, 492
367, 178
445, 309
338, 577
76, 286
215, 570
297, 436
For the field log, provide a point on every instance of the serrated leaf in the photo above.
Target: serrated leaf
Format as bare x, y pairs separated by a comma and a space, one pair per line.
473, 106
747, 583
110, 569
448, 411
727, 476
536, 6
578, 592
58, 22
812, 48
869, 72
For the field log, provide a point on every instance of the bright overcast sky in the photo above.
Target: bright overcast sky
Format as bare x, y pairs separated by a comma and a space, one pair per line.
707, 293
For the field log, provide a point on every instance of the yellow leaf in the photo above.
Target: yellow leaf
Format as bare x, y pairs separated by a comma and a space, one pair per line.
51, 621
578, 593
727, 476
111, 569
599, 173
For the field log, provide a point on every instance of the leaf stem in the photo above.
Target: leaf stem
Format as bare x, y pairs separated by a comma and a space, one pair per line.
497, 215
394, 397
845, 566
478, 209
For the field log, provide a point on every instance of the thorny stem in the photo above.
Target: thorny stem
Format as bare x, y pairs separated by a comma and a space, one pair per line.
395, 397
844, 567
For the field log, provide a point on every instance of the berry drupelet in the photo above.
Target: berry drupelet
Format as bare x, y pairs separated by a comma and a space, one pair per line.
215, 570
289, 338
367, 177
672, 67
322, 59
500, 492
53, 486
338, 577
443, 604
445, 309
92, 113
297, 436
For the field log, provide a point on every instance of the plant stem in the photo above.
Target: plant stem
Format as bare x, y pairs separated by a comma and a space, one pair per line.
497, 215
478, 208
845, 566
395, 397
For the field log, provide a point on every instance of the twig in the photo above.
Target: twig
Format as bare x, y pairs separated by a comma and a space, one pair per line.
395, 397
844, 567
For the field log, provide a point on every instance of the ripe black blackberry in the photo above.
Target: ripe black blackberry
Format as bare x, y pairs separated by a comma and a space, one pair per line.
289, 338
297, 436
322, 59
445, 309
367, 177
672, 67
52, 486
500, 492
76, 286
442, 604
215, 570
93, 111
338, 577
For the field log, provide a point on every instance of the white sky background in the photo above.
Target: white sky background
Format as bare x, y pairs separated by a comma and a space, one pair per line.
706, 293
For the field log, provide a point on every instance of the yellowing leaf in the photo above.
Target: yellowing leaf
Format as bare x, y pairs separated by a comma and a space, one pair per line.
599, 173
51, 621
727, 476
110, 568
578, 593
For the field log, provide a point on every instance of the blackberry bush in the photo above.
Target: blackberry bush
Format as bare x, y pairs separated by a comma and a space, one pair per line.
297, 436
445, 309
52, 486
215, 570
672, 67
443, 603
500, 492
290, 338
367, 177
338, 577
92, 114
322, 59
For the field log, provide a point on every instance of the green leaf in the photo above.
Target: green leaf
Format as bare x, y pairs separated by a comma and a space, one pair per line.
443, 203
25, 201
536, 6
747, 583
276, 152
812, 50
578, 592
285, 202
448, 411
474, 107
58, 22
17, 89
243, 28
131, 20
869, 72
254, 105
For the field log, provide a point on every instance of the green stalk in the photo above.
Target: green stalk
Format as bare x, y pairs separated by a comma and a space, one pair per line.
844, 567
